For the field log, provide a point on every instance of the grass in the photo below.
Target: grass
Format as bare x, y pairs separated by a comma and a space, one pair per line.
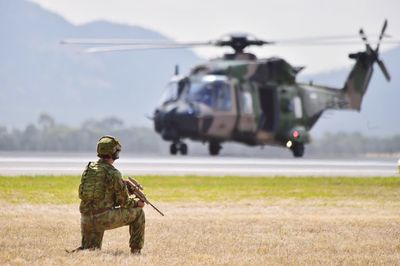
210, 234
63, 189
212, 221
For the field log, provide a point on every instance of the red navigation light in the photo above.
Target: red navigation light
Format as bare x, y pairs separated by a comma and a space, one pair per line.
296, 134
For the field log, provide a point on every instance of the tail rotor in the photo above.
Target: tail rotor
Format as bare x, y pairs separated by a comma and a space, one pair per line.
375, 53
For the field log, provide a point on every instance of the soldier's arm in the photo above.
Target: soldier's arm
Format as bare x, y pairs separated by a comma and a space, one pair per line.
121, 192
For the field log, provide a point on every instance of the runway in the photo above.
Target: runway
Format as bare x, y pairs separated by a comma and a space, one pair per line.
73, 164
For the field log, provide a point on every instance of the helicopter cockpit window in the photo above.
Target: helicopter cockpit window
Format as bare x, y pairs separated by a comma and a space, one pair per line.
170, 93
223, 96
214, 94
201, 92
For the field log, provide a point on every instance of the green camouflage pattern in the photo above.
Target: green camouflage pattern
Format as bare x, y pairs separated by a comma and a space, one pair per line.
101, 178
93, 226
108, 145
105, 204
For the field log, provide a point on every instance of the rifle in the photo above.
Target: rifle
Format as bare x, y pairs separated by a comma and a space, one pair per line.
134, 188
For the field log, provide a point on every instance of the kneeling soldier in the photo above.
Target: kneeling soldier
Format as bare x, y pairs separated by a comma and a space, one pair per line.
105, 203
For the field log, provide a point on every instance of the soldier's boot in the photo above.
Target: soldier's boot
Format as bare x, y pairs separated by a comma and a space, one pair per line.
136, 251
92, 240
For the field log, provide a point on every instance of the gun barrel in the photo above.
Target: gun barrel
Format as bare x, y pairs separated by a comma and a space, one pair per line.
154, 207
137, 190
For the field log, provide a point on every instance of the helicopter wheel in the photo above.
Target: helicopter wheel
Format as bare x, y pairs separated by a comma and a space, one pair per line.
298, 149
183, 148
214, 148
173, 149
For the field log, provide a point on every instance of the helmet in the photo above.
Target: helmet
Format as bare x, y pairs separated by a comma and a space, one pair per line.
108, 145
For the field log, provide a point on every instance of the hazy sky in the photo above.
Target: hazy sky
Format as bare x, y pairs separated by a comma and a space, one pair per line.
186, 20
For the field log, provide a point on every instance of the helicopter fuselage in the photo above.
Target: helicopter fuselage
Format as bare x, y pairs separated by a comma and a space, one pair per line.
218, 102
256, 102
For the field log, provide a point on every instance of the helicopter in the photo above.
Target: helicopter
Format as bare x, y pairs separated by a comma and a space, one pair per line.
241, 98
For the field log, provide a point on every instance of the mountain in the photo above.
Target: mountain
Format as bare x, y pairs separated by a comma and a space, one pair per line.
38, 75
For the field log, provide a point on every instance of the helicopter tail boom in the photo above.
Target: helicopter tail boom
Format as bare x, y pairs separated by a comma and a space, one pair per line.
358, 80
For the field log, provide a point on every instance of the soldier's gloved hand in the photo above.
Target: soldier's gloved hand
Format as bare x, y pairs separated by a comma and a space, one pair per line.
140, 204
130, 191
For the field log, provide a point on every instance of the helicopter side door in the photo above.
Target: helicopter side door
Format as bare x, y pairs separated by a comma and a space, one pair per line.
224, 111
270, 108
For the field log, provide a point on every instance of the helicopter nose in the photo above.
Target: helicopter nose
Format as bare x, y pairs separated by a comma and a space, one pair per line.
177, 122
163, 118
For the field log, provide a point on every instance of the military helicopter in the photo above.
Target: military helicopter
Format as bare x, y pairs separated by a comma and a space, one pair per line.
244, 99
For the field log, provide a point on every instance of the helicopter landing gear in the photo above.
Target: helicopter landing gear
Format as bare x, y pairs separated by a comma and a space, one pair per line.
173, 149
183, 148
297, 149
178, 146
214, 148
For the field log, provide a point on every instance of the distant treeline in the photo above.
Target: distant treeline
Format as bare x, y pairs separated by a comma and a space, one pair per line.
353, 144
47, 135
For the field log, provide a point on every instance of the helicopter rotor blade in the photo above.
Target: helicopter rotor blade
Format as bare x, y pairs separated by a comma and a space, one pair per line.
375, 53
328, 43
327, 38
364, 37
131, 42
75, 41
384, 69
385, 23
378, 60
106, 45
115, 42
133, 47
319, 38
100, 49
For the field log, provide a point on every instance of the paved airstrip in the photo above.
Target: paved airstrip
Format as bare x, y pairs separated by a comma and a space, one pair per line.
59, 164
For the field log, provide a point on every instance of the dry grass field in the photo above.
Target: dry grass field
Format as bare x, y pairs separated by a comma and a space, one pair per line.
212, 221
286, 232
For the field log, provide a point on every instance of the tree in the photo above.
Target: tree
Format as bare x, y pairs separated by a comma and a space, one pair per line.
46, 121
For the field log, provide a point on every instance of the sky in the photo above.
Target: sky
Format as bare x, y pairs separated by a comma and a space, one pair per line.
184, 20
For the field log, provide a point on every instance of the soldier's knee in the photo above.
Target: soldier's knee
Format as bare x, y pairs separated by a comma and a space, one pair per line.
136, 216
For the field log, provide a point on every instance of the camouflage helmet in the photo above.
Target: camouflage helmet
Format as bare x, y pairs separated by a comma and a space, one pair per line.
108, 145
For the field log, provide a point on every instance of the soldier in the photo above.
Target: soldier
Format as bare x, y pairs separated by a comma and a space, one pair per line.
105, 203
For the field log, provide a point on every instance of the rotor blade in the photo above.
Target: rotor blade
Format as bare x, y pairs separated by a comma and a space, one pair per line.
319, 38
383, 29
100, 49
363, 36
108, 41
134, 47
367, 45
383, 68
129, 42
323, 38
328, 43
381, 35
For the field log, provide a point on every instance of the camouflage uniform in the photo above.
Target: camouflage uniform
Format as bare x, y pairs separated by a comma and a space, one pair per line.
108, 206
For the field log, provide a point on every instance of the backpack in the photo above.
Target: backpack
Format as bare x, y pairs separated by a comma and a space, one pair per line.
93, 183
